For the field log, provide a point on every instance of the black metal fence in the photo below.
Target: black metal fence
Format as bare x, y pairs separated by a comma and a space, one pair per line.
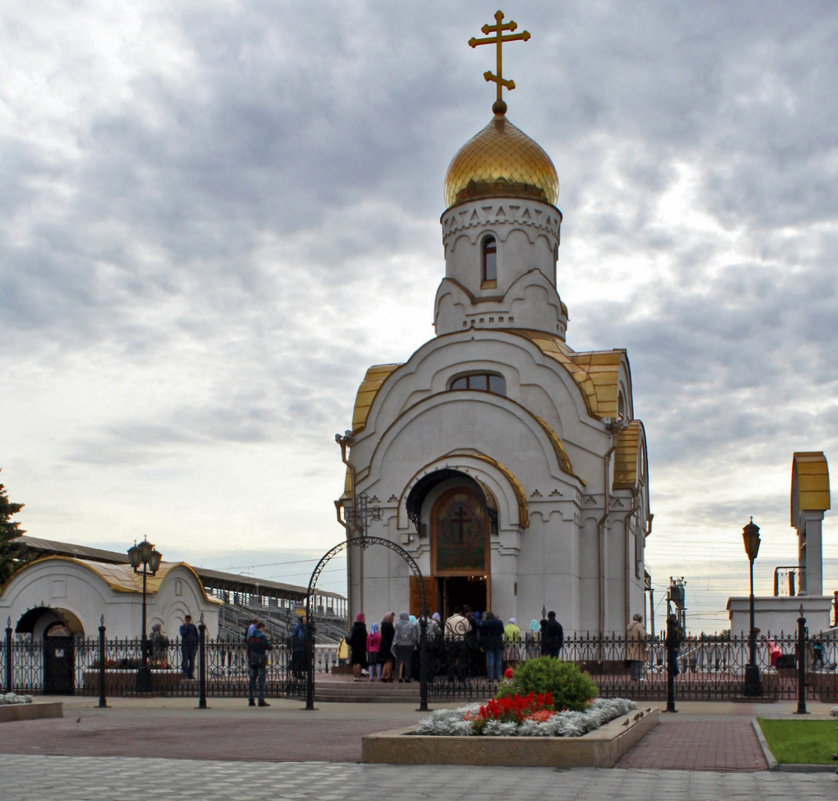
708, 668
72, 665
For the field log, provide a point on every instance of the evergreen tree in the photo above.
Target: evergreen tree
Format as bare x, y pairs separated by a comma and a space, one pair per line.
10, 551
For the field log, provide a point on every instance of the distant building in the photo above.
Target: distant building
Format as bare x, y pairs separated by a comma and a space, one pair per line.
810, 499
72, 587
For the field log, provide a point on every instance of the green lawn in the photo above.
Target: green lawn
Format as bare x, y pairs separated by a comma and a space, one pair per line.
810, 742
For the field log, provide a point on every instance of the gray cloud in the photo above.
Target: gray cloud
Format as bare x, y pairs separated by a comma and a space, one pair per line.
214, 218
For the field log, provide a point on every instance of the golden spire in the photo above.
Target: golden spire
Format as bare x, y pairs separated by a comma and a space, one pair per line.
499, 107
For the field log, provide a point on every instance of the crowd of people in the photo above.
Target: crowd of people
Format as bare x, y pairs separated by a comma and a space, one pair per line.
467, 644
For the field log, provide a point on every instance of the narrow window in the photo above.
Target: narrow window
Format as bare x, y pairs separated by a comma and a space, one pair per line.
490, 262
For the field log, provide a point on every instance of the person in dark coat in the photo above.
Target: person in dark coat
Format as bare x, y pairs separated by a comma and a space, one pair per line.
258, 664
491, 640
358, 645
188, 645
385, 654
552, 636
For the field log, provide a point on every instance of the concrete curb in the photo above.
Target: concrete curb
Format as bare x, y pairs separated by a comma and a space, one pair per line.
763, 744
601, 748
801, 768
35, 711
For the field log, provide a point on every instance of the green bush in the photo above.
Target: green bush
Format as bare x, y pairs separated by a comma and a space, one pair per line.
569, 686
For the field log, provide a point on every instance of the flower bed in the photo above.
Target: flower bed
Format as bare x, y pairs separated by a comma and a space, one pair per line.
523, 716
14, 698
544, 713
121, 682
566, 740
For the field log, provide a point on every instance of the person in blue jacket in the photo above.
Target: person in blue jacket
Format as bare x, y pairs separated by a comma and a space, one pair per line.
188, 646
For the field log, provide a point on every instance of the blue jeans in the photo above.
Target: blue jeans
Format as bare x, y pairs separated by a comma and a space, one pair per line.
188, 659
494, 663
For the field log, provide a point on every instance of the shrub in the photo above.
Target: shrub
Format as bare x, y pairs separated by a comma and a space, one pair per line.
569, 686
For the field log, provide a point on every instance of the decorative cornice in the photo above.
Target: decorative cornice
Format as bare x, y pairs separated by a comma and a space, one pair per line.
501, 212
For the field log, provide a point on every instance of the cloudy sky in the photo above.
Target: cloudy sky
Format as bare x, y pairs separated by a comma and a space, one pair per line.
215, 215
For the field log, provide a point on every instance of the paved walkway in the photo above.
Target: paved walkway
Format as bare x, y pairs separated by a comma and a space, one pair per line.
142, 748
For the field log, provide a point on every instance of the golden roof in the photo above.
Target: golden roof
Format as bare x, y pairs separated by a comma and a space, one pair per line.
810, 482
121, 577
501, 161
375, 377
596, 373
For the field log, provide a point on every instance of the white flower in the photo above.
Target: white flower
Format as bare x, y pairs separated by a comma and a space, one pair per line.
452, 723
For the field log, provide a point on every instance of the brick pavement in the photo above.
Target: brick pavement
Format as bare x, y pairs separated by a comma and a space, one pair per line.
720, 745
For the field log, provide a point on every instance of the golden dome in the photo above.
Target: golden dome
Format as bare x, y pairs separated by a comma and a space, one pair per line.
501, 161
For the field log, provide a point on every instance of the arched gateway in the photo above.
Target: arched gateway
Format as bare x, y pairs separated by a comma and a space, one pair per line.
362, 543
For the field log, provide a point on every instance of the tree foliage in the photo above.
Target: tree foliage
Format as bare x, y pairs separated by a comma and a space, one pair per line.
10, 530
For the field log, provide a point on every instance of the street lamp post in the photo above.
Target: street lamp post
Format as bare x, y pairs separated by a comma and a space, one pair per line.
753, 683
144, 554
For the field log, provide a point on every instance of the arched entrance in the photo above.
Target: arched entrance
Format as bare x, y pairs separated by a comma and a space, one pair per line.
458, 513
460, 549
59, 660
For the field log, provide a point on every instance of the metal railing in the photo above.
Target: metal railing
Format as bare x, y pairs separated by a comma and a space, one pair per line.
709, 668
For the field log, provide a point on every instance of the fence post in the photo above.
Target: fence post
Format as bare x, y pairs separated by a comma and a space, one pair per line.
671, 661
103, 702
423, 661
801, 664
9, 655
202, 668
310, 663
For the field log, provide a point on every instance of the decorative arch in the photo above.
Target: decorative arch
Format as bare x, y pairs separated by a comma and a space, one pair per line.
488, 473
365, 542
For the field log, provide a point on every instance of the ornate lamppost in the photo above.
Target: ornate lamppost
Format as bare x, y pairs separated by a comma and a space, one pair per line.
144, 554
753, 683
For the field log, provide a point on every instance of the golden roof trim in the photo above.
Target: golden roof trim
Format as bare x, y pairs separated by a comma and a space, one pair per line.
121, 577
809, 483
517, 488
558, 449
595, 372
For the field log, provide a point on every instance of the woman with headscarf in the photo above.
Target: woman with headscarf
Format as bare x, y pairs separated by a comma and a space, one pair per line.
532, 638
404, 643
373, 647
385, 650
358, 644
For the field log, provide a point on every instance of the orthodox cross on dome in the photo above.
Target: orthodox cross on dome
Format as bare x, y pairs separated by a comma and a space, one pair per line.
499, 106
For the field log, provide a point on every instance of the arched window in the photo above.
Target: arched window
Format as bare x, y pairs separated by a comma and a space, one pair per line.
621, 407
485, 382
489, 258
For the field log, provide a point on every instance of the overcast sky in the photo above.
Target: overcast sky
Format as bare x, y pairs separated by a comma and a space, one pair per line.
215, 215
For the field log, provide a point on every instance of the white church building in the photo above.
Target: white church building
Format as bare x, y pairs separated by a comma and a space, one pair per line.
509, 466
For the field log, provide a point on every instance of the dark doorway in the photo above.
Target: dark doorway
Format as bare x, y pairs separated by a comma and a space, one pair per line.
461, 590
58, 661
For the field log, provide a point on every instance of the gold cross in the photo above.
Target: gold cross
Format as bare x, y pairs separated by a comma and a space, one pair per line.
499, 107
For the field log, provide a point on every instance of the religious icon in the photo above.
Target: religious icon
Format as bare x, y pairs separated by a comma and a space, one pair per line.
461, 533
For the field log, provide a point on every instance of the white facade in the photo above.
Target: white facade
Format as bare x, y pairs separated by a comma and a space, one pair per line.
511, 468
77, 594
774, 615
